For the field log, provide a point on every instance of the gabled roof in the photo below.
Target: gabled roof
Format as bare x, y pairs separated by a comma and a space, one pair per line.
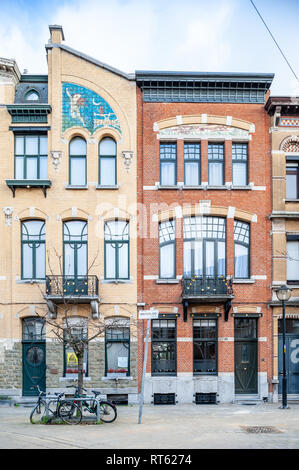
91, 60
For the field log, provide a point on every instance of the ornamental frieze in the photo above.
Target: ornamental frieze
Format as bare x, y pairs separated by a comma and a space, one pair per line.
204, 131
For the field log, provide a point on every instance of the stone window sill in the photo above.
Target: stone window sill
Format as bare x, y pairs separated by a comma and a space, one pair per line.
291, 200
70, 186
243, 281
103, 186
116, 281
73, 379
167, 281
120, 377
174, 186
31, 281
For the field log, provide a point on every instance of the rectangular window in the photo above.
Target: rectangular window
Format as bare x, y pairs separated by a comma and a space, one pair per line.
33, 250
216, 164
117, 254
292, 181
117, 344
205, 346
163, 347
192, 164
242, 245
167, 249
240, 164
168, 164
31, 157
293, 261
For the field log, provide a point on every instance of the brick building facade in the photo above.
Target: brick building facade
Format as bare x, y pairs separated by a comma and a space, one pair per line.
204, 248
284, 131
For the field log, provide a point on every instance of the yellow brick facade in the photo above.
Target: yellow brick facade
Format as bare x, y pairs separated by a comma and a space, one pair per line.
93, 204
285, 211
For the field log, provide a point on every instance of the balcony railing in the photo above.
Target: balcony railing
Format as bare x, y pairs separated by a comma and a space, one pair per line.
207, 288
76, 289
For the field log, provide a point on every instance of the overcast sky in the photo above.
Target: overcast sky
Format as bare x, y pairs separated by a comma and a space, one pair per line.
182, 35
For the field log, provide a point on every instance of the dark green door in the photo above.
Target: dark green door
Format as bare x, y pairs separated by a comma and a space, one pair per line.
246, 356
34, 367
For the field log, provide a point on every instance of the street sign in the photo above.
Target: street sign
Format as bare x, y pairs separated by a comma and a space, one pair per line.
151, 314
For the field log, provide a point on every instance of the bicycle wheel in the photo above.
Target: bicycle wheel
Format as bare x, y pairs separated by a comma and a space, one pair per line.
70, 413
38, 412
108, 413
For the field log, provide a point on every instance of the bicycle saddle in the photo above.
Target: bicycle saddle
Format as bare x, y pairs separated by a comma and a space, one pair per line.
96, 393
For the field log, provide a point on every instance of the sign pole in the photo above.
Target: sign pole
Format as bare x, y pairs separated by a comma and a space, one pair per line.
143, 372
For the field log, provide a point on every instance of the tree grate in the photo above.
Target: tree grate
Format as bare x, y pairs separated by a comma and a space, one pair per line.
261, 429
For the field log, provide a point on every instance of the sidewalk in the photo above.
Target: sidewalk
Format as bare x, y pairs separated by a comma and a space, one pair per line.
223, 426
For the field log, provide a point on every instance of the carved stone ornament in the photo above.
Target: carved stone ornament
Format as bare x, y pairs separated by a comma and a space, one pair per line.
8, 215
56, 156
128, 157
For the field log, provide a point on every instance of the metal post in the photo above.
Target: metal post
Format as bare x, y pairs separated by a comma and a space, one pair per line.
143, 371
284, 375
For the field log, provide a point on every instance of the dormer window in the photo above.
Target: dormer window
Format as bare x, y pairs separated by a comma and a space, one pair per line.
32, 95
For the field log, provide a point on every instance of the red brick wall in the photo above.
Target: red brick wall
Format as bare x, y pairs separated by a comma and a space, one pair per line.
258, 202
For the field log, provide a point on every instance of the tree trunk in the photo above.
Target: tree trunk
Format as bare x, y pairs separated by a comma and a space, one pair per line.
80, 357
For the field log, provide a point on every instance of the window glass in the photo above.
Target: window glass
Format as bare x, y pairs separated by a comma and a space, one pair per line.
163, 340
33, 249
292, 181
242, 241
168, 164
116, 249
75, 328
216, 164
117, 340
167, 249
33, 329
293, 260
32, 96
239, 160
192, 164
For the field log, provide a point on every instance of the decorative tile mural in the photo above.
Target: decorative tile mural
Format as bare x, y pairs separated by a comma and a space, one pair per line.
85, 108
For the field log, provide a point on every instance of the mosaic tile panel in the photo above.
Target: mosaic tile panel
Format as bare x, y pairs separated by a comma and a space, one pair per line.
85, 108
289, 122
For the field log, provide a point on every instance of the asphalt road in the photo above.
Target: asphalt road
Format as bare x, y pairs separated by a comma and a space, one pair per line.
163, 427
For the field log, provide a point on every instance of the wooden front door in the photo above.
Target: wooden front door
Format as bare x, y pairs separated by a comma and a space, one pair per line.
246, 356
34, 367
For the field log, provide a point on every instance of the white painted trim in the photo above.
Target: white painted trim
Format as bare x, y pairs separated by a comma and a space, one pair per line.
229, 120
231, 212
179, 120
150, 278
262, 339
259, 276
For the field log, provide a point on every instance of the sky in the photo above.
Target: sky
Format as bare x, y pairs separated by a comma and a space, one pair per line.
176, 35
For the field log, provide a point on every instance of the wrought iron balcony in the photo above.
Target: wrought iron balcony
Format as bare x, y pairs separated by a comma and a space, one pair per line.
80, 289
207, 289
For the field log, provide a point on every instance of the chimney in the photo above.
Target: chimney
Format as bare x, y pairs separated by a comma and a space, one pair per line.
56, 33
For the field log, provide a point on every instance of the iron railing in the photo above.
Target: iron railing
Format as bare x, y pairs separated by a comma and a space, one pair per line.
69, 286
207, 287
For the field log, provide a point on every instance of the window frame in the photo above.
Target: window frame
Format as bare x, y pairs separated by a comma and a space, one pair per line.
161, 340
168, 160
247, 245
240, 160
291, 238
123, 340
116, 242
166, 243
290, 164
216, 160
75, 251
204, 240
107, 157
192, 160
71, 157
73, 319
35, 242
25, 157
206, 340
38, 337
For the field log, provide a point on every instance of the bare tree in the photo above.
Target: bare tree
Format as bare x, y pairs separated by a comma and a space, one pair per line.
62, 291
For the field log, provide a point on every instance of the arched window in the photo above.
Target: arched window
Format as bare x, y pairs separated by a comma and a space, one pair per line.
32, 95
167, 249
242, 242
204, 247
33, 253
77, 167
107, 162
33, 329
75, 248
116, 249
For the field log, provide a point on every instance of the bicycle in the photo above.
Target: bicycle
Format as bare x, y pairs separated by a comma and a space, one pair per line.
67, 411
108, 410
